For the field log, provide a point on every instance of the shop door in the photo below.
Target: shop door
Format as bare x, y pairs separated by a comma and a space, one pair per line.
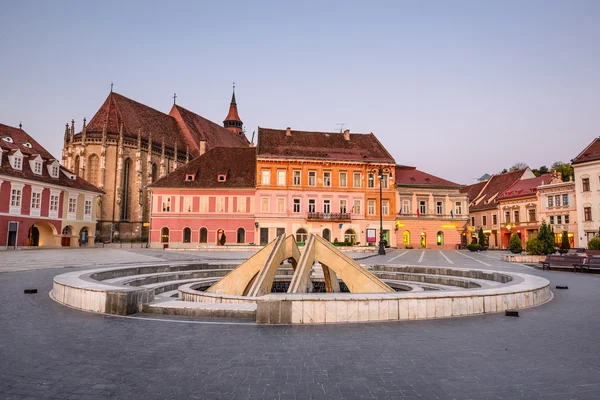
264, 236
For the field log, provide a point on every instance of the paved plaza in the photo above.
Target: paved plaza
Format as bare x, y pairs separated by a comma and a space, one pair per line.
50, 351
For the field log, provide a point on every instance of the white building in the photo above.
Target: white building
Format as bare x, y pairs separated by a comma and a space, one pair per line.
587, 192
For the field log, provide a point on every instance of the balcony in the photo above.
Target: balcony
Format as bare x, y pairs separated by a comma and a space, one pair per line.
317, 216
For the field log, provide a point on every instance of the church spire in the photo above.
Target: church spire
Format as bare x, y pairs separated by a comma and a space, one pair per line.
233, 121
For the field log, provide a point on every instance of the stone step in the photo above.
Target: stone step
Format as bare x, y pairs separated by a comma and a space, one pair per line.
195, 309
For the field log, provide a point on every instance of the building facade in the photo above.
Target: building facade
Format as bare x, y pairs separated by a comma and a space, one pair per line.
41, 203
209, 201
587, 192
431, 211
128, 145
557, 206
323, 183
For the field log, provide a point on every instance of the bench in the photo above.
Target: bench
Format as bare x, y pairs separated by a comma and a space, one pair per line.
562, 260
587, 263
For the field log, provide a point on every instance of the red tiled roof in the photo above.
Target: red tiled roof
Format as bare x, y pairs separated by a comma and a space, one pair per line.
488, 198
233, 115
302, 144
590, 153
239, 164
473, 190
524, 187
411, 176
19, 138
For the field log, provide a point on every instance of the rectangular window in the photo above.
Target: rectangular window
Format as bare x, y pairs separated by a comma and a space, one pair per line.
385, 207
406, 207
343, 179
507, 217
494, 219
73, 205
296, 205
15, 198
281, 204
55, 171
371, 209
458, 208
557, 200
326, 206
566, 219
550, 201
265, 177
37, 168
422, 207
312, 205
297, 177
484, 220
517, 219
241, 204
220, 204
356, 207
384, 181
166, 204
312, 178
18, 163
326, 178
343, 206
54, 202
565, 198
87, 207
559, 219
439, 208
357, 180
472, 221
552, 220
531, 215
36, 199
371, 181
587, 213
264, 204
585, 184
187, 204
203, 204
280, 178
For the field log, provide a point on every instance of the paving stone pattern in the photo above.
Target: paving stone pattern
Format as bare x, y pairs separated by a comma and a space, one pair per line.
550, 352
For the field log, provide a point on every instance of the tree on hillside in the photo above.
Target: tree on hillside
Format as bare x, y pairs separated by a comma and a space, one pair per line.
540, 171
518, 166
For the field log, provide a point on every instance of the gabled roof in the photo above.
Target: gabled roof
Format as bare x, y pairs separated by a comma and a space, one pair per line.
590, 153
407, 176
19, 138
320, 145
239, 165
487, 198
524, 187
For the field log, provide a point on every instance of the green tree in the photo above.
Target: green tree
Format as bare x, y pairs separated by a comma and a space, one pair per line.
594, 243
481, 238
534, 247
566, 170
565, 244
514, 244
518, 166
546, 237
540, 171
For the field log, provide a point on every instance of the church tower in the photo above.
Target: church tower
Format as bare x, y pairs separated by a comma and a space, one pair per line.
233, 121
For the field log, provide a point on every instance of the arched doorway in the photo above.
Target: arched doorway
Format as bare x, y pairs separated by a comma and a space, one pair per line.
241, 235
350, 237
164, 235
423, 240
33, 236
83, 237
440, 238
221, 237
301, 235
187, 235
327, 234
203, 235
406, 238
65, 240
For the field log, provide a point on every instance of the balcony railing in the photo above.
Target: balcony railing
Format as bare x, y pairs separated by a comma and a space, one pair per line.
317, 216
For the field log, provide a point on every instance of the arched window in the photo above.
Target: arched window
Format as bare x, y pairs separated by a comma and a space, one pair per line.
349, 236
301, 235
241, 235
327, 234
125, 200
423, 240
93, 170
203, 235
153, 172
164, 235
187, 235
76, 168
440, 238
406, 238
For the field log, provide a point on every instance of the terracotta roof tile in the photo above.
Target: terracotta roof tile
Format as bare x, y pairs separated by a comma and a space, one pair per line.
524, 187
302, 144
411, 176
590, 153
491, 189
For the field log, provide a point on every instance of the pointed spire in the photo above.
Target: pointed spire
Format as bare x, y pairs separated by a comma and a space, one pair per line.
233, 95
66, 132
72, 129
233, 121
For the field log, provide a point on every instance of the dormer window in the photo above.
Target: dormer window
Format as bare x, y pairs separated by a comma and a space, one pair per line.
37, 167
53, 169
190, 177
16, 160
221, 177
28, 145
7, 139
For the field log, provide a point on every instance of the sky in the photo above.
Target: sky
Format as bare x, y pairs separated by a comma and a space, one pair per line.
455, 88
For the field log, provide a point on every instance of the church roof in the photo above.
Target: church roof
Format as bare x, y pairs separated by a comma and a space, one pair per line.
590, 153
319, 145
181, 126
407, 176
30, 149
237, 164
233, 111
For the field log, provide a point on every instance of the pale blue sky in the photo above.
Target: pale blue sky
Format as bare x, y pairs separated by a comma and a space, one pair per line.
456, 88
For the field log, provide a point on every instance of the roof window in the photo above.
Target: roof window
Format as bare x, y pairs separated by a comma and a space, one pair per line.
190, 177
28, 145
221, 177
7, 139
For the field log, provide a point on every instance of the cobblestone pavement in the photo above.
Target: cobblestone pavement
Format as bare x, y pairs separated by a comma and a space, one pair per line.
550, 352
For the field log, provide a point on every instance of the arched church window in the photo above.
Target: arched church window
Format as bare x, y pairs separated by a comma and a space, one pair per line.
93, 170
125, 212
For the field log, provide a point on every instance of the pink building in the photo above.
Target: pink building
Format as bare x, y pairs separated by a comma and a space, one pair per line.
211, 196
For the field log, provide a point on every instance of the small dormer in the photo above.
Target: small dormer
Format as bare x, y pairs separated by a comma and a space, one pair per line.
53, 169
69, 175
190, 177
35, 163
27, 144
7, 139
16, 159
221, 177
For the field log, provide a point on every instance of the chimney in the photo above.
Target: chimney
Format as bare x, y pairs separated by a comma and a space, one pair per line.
347, 134
202, 149
288, 131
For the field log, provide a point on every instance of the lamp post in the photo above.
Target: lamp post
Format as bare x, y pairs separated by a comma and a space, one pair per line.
380, 171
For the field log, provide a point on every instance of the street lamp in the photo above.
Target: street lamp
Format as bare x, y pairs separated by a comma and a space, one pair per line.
380, 171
